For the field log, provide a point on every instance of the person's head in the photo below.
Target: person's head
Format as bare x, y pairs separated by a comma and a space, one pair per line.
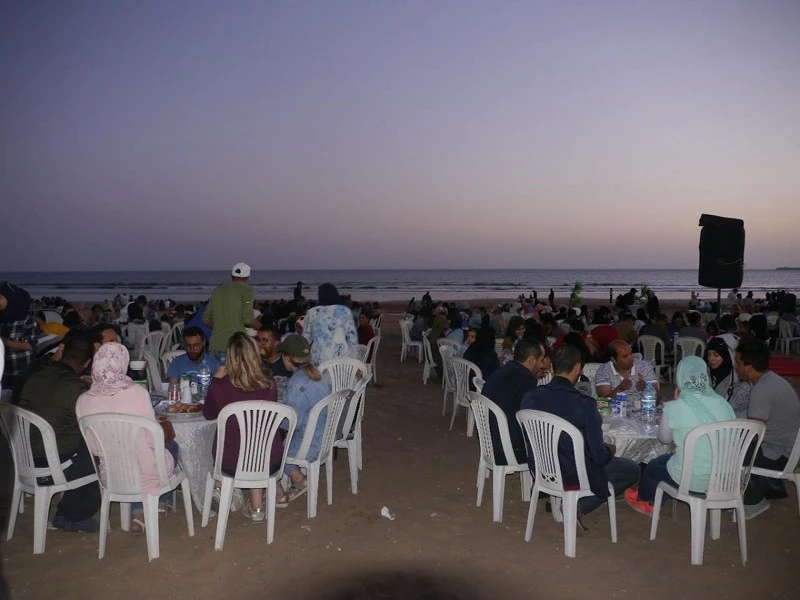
641, 314
484, 340
548, 321
78, 351
694, 318
661, 319
567, 362
72, 319
575, 339
619, 351
728, 324
297, 356
363, 320
516, 327
97, 311
141, 301
135, 313
677, 319
712, 329
41, 319
577, 326
240, 272
752, 359
545, 363
194, 342
529, 352
109, 334
244, 365
692, 375
718, 357
268, 339
472, 335
328, 295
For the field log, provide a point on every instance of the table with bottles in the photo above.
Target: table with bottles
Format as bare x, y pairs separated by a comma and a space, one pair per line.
634, 438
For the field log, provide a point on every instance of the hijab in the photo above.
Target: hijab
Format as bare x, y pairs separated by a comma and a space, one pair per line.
109, 370
719, 374
19, 303
328, 295
695, 388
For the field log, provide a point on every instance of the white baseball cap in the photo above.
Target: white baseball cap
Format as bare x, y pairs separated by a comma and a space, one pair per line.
240, 270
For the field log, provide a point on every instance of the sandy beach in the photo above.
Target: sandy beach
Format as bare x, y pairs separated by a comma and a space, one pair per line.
425, 475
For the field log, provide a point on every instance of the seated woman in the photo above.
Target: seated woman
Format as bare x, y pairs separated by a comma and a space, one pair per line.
482, 354
436, 332
723, 377
243, 378
455, 332
306, 387
695, 404
112, 391
514, 331
472, 334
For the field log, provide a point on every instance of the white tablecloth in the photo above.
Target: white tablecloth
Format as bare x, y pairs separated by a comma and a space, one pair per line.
634, 439
195, 437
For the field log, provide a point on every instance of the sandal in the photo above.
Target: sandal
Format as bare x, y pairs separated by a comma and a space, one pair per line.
296, 492
282, 501
140, 530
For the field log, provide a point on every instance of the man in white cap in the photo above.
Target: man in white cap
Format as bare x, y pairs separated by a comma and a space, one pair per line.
230, 309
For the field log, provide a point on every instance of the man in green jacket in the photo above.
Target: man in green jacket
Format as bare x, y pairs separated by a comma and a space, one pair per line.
52, 392
230, 310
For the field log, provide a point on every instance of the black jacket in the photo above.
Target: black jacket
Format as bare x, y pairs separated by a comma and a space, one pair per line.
506, 387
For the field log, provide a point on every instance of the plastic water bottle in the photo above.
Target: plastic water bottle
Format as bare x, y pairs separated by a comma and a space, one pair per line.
203, 381
648, 402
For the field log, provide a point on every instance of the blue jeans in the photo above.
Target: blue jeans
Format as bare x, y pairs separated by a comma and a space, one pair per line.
654, 473
172, 448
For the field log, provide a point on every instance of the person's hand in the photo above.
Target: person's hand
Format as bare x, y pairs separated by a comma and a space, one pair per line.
612, 448
640, 383
220, 372
625, 385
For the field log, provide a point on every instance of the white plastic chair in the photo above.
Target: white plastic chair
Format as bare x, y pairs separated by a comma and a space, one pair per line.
371, 357
688, 346
786, 336
16, 424
464, 370
117, 437
168, 357
449, 376
343, 372
590, 370
788, 472
654, 351
442, 342
428, 364
154, 382
542, 431
349, 436
334, 403
730, 441
498, 346
259, 422
171, 339
482, 408
478, 382
134, 335
409, 346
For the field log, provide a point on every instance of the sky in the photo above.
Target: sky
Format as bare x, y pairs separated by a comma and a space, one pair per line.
395, 134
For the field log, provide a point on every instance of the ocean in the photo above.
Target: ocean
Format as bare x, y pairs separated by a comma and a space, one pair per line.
452, 284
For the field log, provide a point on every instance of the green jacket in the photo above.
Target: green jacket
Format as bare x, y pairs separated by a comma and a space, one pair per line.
52, 393
229, 310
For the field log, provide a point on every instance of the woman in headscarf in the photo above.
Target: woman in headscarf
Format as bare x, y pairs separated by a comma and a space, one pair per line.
330, 327
112, 391
514, 331
455, 332
696, 403
723, 377
482, 354
18, 330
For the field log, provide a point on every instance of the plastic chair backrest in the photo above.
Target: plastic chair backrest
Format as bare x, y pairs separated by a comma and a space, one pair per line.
498, 346
542, 431
478, 382
590, 370
342, 372
405, 331
372, 349
786, 329
482, 408
259, 422
462, 369
152, 342
117, 438
168, 357
353, 410
689, 346
651, 347
17, 423
442, 342
447, 368
426, 347
154, 381
379, 321
333, 404
730, 441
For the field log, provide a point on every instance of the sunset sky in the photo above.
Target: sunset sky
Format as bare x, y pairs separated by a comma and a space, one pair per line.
395, 134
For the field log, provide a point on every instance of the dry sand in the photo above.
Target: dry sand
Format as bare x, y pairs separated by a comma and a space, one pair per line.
425, 474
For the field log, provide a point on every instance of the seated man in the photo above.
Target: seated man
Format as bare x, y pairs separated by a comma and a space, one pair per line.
506, 387
271, 358
194, 342
560, 398
603, 334
365, 331
658, 328
52, 393
694, 328
624, 373
108, 333
775, 403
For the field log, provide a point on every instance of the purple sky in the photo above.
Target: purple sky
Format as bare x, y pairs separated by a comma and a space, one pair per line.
347, 134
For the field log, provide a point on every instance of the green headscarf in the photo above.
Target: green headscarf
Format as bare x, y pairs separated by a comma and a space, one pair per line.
695, 387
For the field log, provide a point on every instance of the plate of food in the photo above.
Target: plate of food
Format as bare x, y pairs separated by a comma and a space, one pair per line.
179, 409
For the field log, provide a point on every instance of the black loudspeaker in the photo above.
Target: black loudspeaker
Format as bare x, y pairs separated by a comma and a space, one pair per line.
721, 252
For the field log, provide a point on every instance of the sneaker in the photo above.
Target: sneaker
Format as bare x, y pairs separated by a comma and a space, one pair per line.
753, 510
641, 506
580, 529
256, 515
215, 496
58, 522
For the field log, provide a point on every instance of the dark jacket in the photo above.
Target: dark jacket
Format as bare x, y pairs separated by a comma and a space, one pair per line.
506, 387
52, 393
559, 397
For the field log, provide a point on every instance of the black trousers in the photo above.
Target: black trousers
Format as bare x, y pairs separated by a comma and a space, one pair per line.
760, 487
84, 502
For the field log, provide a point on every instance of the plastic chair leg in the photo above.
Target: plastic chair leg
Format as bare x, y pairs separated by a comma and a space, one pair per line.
223, 512
105, 509
312, 479
16, 504
207, 500
125, 516
455, 411
716, 515
612, 513
525, 483
359, 445
329, 478
41, 506
657, 499
272, 493
531, 513
150, 504
470, 422
481, 480
352, 459
569, 505
740, 523
186, 492
698, 511
796, 481
498, 491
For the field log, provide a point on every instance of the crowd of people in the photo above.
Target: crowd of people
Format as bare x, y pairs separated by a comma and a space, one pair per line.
89, 372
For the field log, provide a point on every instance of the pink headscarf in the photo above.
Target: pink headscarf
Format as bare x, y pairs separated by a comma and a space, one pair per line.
109, 370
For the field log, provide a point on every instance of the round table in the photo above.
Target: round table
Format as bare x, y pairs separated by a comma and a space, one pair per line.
634, 439
195, 437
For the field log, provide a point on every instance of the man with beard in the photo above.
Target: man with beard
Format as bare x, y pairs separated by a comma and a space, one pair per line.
194, 342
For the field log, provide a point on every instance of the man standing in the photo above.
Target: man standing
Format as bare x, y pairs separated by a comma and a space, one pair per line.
560, 398
774, 403
268, 340
52, 393
194, 342
506, 387
229, 310
624, 373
